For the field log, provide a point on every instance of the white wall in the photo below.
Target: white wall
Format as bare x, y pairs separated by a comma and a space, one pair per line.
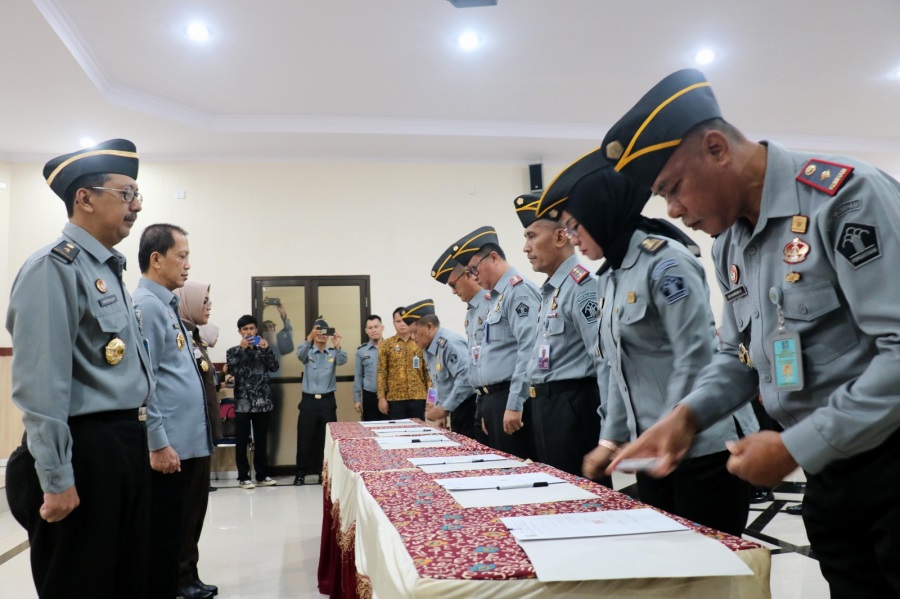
389, 221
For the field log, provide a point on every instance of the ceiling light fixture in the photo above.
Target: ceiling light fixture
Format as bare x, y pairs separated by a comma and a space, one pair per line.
197, 32
87, 142
468, 40
705, 56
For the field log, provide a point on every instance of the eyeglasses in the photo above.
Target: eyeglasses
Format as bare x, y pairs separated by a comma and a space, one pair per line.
572, 230
128, 195
472, 271
207, 303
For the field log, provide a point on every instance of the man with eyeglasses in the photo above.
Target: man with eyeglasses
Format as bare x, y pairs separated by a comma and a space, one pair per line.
80, 482
565, 362
509, 325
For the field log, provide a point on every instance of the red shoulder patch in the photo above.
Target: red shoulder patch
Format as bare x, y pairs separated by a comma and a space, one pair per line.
515, 280
579, 273
827, 177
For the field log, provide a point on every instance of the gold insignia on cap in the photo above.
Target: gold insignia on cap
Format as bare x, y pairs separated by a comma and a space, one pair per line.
204, 366
455, 247
115, 351
810, 170
433, 273
101, 285
799, 223
554, 213
179, 341
632, 297
792, 277
519, 201
614, 150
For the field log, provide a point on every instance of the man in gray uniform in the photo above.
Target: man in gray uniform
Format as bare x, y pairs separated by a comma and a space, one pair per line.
445, 356
365, 378
509, 332
449, 271
178, 432
318, 405
80, 484
565, 396
805, 254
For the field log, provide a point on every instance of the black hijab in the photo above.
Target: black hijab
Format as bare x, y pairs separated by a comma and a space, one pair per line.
608, 205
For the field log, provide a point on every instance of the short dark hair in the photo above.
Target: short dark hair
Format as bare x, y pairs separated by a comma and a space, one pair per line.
373, 317
487, 248
86, 182
245, 320
156, 238
430, 319
398, 310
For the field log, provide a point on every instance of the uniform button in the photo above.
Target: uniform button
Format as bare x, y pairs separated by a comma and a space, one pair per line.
740, 323
803, 309
751, 250
756, 314
767, 378
54, 479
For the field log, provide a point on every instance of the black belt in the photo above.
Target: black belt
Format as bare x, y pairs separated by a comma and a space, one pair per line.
139, 414
488, 389
560, 386
318, 395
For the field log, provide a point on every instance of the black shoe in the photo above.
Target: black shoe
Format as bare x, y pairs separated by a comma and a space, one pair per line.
762, 496
794, 510
213, 489
209, 588
299, 480
194, 592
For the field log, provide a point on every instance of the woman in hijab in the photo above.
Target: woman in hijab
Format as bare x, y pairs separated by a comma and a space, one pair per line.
193, 309
656, 332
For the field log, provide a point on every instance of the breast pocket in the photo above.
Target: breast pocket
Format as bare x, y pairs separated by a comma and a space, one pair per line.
637, 328
815, 311
497, 328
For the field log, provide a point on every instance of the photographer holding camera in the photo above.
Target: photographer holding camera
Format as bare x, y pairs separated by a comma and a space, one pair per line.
317, 405
281, 342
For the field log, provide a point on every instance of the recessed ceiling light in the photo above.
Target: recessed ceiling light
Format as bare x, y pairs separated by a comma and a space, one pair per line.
705, 56
197, 32
468, 40
87, 142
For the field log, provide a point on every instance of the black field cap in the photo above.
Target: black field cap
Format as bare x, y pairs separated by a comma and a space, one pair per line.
468, 246
116, 156
526, 209
557, 193
642, 141
414, 312
320, 322
441, 270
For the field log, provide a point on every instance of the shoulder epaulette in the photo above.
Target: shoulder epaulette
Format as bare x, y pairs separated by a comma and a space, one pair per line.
362, 345
442, 342
515, 280
579, 273
825, 176
66, 251
651, 245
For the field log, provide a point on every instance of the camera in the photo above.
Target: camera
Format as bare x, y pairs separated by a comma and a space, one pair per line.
254, 340
326, 331
271, 301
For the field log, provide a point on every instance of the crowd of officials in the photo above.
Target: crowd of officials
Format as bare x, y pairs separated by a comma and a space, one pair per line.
581, 372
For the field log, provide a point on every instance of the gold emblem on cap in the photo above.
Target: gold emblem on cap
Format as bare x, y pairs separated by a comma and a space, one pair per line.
179, 341
792, 277
799, 223
519, 201
554, 213
204, 366
433, 273
632, 297
101, 285
614, 150
810, 170
455, 247
115, 351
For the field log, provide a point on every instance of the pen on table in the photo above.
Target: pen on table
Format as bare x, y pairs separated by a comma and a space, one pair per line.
542, 483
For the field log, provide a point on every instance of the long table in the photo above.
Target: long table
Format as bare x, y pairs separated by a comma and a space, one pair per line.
389, 531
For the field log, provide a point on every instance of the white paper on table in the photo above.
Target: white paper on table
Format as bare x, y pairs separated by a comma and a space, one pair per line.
456, 459
590, 524
410, 439
372, 423
465, 466
388, 432
549, 494
433, 444
655, 555
473, 483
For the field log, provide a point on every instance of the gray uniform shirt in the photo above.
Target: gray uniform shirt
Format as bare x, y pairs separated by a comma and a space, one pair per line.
567, 326
476, 309
366, 374
657, 332
178, 415
509, 332
320, 365
844, 307
61, 321
448, 368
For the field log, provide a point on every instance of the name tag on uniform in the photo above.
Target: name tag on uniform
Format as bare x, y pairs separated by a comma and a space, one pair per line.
544, 356
787, 363
415, 361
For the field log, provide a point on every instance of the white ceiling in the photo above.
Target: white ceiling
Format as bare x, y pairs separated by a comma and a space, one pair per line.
383, 80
